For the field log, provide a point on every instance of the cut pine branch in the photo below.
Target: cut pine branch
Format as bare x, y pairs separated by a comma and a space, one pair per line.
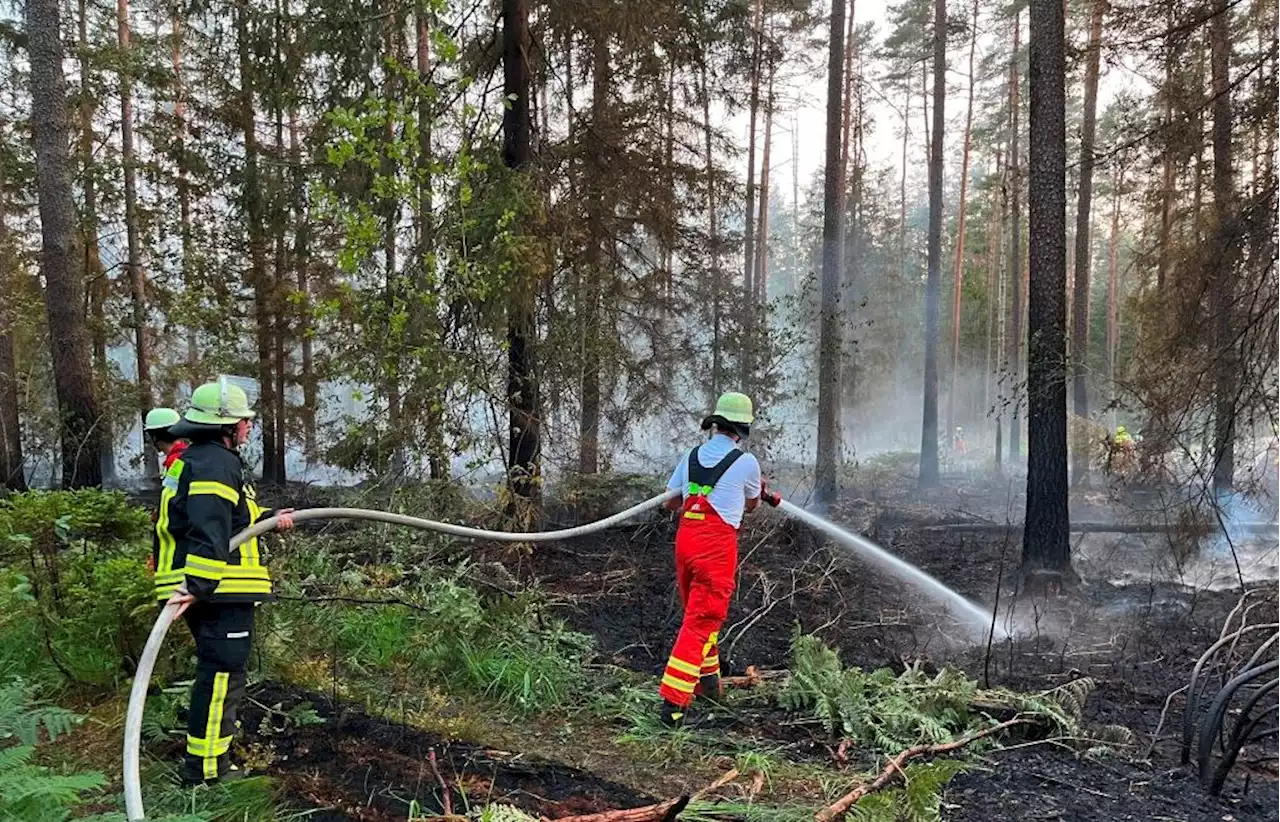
894, 768
662, 812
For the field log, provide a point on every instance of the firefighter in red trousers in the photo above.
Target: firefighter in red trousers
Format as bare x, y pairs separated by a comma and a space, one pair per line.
719, 482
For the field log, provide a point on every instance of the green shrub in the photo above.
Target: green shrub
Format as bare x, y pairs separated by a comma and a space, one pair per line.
75, 600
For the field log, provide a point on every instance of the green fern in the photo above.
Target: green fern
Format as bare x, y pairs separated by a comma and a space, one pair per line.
22, 717
878, 709
917, 799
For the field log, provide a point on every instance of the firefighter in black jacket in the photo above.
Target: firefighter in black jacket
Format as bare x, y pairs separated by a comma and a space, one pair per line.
205, 500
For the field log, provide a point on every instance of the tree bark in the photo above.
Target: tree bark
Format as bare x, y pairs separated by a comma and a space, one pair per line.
1224, 261
830, 343
137, 277
437, 451
98, 282
995, 239
1045, 540
759, 280
747, 364
1080, 311
957, 291
80, 425
522, 382
1164, 253
1113, 277
184, 186
713, 223
302, 275
1013, 356
254, 208
933, 282
12, 473
590, 292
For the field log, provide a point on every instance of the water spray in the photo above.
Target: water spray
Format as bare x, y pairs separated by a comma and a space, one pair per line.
970, 614
976, 619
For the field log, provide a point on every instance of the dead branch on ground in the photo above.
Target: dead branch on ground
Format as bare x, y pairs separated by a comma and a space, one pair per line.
893, 770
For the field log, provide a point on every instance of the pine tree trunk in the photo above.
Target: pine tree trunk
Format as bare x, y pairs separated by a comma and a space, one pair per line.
957, 291
762, 220
302, 275
12, 473
1083, 253
522, 383
282, 268
902, 184
1013, 356
437, 451
832, 247
184, 188
933, 283
713, 223
1226, 242
80, 425
1113, 277
589, 425
747, 366
259, 279
1045, 545
98, 282
995, 239
137, 277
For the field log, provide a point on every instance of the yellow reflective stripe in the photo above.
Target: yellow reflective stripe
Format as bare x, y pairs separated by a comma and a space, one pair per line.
710, 662
678, 684
167, 542
197, 746
682, 666
205, 568
213, 723
246, 572
244, 586
174, 575
694, 515
217, 489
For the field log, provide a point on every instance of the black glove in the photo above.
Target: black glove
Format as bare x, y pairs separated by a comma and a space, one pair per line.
771, 497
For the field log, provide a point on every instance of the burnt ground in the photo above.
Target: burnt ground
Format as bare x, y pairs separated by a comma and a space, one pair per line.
1137, 641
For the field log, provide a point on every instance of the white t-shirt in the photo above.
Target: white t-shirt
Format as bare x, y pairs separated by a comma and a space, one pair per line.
739, 484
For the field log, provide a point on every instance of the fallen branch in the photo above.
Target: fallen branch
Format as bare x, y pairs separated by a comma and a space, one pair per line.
893, 770
752, 678
662, 812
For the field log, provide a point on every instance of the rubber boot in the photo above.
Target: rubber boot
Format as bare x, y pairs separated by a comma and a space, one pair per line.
672, 715
711, 688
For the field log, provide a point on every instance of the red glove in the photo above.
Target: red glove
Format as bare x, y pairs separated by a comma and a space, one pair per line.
771, 497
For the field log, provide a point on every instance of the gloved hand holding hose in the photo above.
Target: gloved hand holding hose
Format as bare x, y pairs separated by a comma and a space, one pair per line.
771, 497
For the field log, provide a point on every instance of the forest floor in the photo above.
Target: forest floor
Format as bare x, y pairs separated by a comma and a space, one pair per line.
1134, 624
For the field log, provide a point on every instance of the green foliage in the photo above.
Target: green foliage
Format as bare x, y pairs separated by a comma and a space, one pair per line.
919, 799
22, 717
431, 624
893, 712
32, 793
75, 601
49, 519
881, 709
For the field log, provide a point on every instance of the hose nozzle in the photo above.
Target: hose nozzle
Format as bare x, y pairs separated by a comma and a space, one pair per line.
769, 496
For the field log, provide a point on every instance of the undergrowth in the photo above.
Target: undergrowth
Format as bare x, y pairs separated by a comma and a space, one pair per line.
425, 623
892, 712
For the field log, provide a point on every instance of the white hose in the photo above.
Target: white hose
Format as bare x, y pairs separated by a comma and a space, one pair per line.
146, 664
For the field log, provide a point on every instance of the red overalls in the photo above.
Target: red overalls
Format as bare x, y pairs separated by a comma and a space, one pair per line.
706, 570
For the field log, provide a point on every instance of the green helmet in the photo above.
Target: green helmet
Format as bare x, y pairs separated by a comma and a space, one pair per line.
219, 403
734, 407
159, 419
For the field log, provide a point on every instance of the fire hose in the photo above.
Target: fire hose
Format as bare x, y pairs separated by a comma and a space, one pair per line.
146, 664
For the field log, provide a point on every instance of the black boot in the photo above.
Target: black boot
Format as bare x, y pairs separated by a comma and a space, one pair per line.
672, 715
711, 689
